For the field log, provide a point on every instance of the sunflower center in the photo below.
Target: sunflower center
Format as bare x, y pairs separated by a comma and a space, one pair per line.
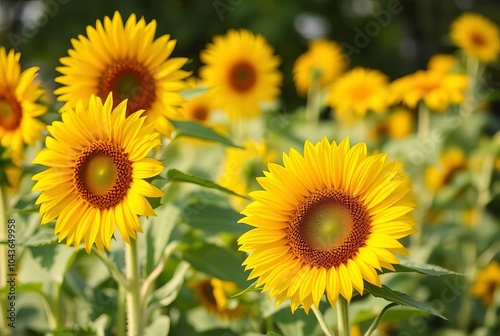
10, 111
200, 113
477, 40
128, 80
328, 228
102, 174
242, 76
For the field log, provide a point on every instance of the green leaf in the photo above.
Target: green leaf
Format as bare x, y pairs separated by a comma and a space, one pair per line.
216, 261
426, 269
403, 299
159, 327
250, 288
175, 175
213, 219
196, 130
43, 236
167, 293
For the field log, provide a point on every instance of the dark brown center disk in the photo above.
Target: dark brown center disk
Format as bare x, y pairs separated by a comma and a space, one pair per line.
328, 228
130, 80
242, 76
102, 174
11, 111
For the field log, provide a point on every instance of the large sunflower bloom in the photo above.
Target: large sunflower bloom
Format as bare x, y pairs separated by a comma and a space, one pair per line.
477, 36
95, 180
125, 59
357, 92
18, 108
323, 59
436, 89
326, 221
242, 72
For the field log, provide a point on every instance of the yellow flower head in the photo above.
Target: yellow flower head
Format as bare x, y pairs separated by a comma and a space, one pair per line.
19, 92
242, 166
477, 36
326, 221
214, 295
198, 108
451, 162
357, 92
487, 281
97, 166
323, 59
242, 72
443, 63
127, 60
436, 89
397, 126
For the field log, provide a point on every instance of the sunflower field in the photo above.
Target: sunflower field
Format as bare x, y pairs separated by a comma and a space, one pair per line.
233, 167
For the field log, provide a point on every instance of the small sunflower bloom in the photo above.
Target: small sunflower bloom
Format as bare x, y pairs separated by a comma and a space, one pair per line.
437, 90
477, 36
96, 159
442, 63
357, 92
398, 125
486, 283
241, 71
242, 166
451, 162
198, 108
323, 59
19, 109
215, 296
126, 59
326, 221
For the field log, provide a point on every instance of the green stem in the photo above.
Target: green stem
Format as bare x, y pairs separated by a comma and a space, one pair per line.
321, 321
424, 199
314, 99
134, 309
469, 257
424, 121
120, 314
51, 317
470, 101
377, 320
117, 275
343, 316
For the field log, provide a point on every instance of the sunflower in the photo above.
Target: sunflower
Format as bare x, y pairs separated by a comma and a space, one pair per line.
124, 59
214, 295
477, 36
326, 221
437, 90
198, 108
397, 126
486, 283
443, 63
242, 166
242, 71
357, 92
19, 92
451, 162
323, 59
97, 166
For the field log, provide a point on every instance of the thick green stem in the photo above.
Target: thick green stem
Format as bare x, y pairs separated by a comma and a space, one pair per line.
134, 309
120, 314
321, 321
343, 316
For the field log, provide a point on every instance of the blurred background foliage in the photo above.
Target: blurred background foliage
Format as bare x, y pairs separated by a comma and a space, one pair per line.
399, 35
